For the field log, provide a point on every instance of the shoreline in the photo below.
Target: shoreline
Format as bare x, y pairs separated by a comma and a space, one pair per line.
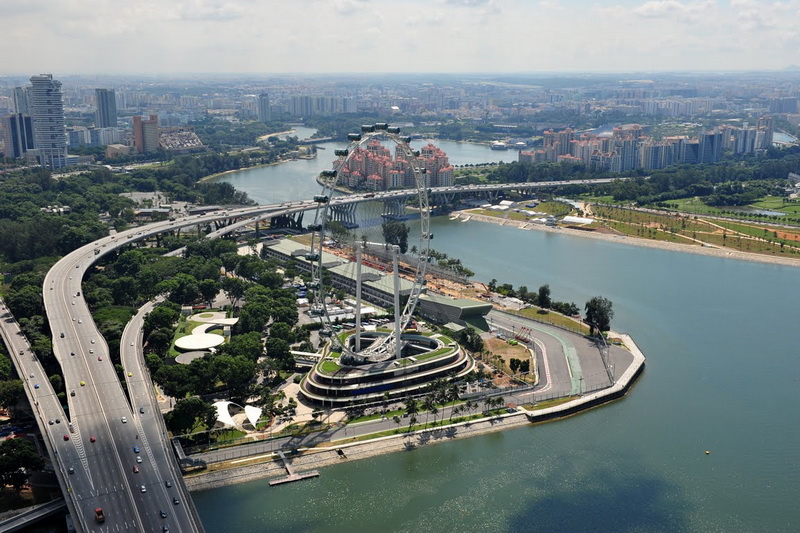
233, 170
624, 239
269, 466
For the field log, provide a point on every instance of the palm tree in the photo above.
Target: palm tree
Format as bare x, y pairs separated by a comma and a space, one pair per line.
412, 408
427, 405
455, 410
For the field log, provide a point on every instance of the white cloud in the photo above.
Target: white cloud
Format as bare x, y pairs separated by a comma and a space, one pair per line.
673, 9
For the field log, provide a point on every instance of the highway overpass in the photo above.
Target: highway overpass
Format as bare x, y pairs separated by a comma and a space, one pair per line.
104, 427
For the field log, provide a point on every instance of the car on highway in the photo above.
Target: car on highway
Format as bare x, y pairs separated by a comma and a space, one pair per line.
92, 439
71, 470
176, 501
50, 422
135, 449
91, 350
99, 357
66, 437
83, 383
58, 420
141, 410
130, 374
62, 334
135, 469
143, 489
162, 513
72, 392
124, 419
72, 354
168, 483
139, 459
35, 385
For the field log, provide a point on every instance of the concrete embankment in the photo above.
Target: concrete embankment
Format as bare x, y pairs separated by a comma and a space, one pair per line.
319, 457
269, 466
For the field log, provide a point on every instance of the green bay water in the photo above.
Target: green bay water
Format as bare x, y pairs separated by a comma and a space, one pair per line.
723, 374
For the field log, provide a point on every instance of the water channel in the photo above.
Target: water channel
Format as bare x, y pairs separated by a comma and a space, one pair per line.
723, 375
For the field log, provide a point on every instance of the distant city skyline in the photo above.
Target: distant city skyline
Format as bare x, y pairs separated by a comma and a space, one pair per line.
405, 36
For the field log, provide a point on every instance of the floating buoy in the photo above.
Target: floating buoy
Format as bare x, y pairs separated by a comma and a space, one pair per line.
708, 452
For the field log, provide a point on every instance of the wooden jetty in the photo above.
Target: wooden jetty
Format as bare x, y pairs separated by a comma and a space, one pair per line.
292, 475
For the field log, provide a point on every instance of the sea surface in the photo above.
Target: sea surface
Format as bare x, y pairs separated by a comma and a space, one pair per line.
722, 375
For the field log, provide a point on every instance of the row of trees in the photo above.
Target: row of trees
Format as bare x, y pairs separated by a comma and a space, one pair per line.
540, 298
598, 309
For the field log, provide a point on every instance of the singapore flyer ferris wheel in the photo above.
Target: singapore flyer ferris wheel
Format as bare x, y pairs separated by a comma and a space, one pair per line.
353, 247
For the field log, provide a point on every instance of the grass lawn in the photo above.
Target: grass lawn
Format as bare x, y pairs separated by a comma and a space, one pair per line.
114, 313
558, 209
557, 319
549, 403
330, 367
229, 435
435, 353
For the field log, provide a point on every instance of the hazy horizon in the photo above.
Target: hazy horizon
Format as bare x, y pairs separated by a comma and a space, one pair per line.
356, 37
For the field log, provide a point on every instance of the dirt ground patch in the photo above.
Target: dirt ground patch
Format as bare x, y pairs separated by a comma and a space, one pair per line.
506, 351
785, 235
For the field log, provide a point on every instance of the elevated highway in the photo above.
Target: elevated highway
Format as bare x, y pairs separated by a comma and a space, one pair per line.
106, 427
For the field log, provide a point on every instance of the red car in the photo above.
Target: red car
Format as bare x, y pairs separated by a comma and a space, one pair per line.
135, 469
66, 437
92, 439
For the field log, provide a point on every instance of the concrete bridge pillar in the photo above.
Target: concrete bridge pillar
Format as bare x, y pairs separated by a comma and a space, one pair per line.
394, 208
344, 213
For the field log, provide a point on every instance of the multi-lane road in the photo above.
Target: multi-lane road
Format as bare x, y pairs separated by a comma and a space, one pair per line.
96, 449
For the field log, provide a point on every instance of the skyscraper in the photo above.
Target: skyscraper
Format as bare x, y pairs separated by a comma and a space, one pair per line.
106, 114
20, 97
17, 134
264, 114
47, 112
145, 134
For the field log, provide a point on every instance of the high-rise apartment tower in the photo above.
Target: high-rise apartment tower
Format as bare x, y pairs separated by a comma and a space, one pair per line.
47, 111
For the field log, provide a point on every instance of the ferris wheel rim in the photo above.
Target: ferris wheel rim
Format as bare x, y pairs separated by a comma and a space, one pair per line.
329, 189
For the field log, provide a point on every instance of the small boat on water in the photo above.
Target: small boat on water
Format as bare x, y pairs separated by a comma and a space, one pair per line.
499, 145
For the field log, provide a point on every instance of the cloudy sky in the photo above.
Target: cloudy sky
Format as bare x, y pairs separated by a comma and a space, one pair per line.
322, 36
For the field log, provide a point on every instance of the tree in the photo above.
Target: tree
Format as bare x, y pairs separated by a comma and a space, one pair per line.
396, 232
514, 364
234, 289
278, 349
236, 372
186, 289
188, 414
525, 366
412, 408
208, 290
281, 330
246, 345
163, 315
338, 230
18, 458
11, 392
599, 314
543, 299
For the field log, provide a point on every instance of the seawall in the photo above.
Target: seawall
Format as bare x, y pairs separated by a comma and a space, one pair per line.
268, 465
